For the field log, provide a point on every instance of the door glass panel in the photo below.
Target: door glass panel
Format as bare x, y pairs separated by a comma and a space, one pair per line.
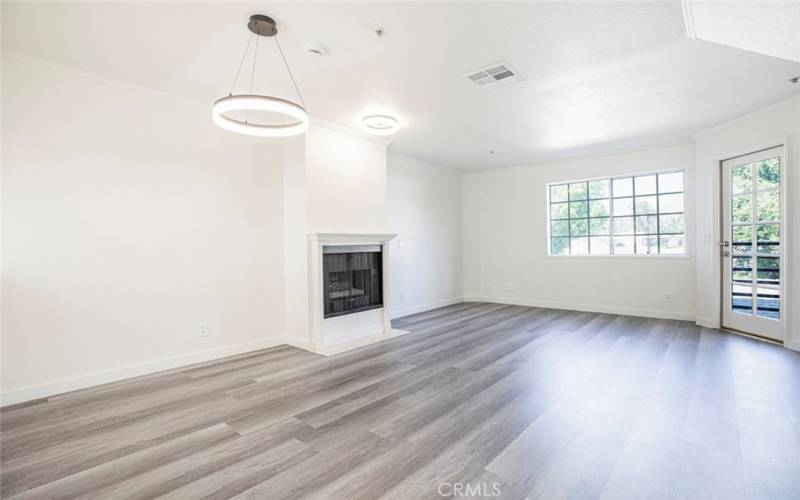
742, 179
768, 303
742, 239
742, 299
742, 208
769, 270
768, 206
742, 269
769, 174
768, 239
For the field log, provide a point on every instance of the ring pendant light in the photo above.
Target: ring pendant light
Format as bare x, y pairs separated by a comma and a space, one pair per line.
264, 26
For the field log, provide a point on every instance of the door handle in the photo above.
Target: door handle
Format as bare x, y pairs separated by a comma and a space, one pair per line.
724, 243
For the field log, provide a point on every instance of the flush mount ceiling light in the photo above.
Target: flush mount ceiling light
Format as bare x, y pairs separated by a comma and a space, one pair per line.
250, 103
379, 124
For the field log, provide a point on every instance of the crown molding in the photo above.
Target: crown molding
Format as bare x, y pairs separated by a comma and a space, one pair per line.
349, 131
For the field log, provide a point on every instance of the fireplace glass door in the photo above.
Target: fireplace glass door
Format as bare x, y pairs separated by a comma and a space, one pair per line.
352, 278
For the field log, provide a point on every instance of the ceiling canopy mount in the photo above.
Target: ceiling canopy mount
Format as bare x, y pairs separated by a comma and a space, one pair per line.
262, 25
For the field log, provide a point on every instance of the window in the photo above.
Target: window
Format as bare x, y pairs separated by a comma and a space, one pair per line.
633, 215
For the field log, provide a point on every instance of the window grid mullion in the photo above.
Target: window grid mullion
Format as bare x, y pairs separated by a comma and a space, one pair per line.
754, 240
588, 218
635, 242
658, 218
569, 220
611, 215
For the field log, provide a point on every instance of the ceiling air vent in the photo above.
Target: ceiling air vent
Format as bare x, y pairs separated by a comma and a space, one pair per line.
494, 74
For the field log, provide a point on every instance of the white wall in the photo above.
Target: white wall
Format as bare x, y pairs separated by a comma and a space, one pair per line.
771, 126
295, 242
505, 232
346, 182
128, 217
425, 212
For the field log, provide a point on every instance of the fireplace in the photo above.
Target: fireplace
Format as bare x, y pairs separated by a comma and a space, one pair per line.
352, 279
348, 273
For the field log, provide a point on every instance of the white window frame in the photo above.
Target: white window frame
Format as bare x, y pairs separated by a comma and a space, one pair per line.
610, 198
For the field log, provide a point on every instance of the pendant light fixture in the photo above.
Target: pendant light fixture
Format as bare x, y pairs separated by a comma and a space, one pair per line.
261, 26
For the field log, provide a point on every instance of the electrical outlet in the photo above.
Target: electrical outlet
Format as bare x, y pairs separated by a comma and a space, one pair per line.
202, 330
668, 297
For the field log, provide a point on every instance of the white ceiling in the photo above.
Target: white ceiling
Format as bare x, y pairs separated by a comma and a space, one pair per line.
598, 76
771, 28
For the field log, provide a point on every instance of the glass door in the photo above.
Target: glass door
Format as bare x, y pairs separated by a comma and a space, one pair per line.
753, 249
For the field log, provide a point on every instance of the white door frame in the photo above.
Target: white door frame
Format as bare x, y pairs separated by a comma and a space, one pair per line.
787, 313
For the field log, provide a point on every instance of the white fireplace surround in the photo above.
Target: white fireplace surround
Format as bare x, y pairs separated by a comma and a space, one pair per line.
338, 334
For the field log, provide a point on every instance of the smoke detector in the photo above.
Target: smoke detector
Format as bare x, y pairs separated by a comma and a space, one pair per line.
499, 73
315, 48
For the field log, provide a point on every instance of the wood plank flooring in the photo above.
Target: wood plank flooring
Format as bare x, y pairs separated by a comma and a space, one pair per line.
479, 400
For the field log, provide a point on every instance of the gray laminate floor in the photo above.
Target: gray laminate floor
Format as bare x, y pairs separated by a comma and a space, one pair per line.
480, 399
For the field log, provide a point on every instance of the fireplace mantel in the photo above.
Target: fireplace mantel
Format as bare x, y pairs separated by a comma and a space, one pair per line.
361, 328
350, 239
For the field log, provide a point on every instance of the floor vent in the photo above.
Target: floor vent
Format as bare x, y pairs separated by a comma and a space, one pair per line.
494, 74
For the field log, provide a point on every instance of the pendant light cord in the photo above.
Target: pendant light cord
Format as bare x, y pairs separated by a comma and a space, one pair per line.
289, 70
241, 63
253, 71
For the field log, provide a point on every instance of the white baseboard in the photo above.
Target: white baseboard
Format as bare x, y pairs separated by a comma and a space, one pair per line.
407, 311
299, 342
792, 344
706, 322
625, 311
71, 384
